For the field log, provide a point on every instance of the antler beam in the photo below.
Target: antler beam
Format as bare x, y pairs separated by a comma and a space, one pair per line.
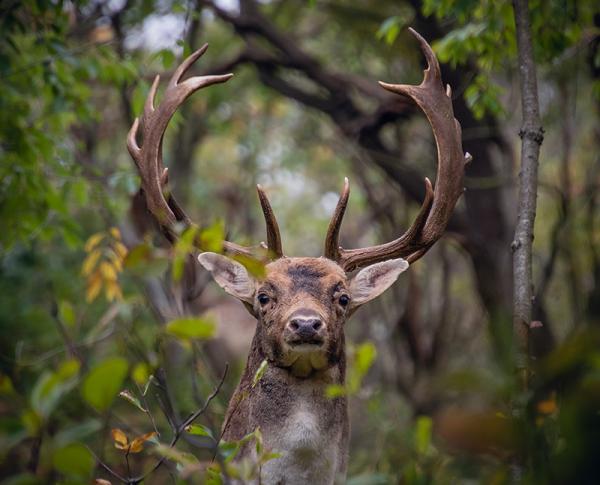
148, 157
439, 203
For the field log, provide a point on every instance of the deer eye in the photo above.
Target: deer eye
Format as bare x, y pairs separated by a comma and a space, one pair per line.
344, 300
263, 299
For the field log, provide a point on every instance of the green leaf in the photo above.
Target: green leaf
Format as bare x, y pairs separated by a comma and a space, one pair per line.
139, 96
335, 390
191, 328
103, 382
183, 247
365, 355
199, 430
80, 191
390, 28
260, 372
6, 385
229, 449
180, 457
128, 396
168, 58
255, 268
76, 432
268, 457
150, 380
140, 373
51, 386
423, 433
138, 256
211, 238
73, 459
66, 313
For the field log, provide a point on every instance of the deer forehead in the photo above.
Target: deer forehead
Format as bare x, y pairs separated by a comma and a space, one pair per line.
316, 276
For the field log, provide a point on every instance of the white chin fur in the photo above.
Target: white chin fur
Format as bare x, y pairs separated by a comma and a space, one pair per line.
305, 358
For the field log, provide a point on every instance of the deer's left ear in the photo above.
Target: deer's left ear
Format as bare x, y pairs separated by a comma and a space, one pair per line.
229, 275
373, 280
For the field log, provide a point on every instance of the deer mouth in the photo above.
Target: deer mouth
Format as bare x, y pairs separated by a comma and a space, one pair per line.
305, 343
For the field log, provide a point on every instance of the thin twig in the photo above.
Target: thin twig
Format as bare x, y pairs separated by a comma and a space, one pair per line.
106, 467
179, 430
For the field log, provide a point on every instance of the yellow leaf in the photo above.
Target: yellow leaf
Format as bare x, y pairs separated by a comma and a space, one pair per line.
116, 261
90, 262
120, 249
101, 481
93, 241
111, 290
114, 232
94, 287
120, 439
137, 444
108, 271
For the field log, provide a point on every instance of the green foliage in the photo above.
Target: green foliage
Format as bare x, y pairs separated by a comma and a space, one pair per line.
73, 460
46, 93
51, 387
260, 372
361, 359
481, 26
191, 328
199, 430
103, 382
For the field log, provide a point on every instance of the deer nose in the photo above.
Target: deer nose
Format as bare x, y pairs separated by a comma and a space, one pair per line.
305, 328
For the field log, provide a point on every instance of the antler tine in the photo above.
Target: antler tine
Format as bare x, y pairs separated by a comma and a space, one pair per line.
437, 207
273, 237
332, 245
148, 156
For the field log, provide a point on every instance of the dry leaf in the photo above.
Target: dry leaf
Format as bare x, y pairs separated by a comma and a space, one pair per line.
548, 406
137, 444
120, 439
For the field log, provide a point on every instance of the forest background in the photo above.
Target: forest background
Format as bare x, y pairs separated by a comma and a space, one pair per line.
110, 339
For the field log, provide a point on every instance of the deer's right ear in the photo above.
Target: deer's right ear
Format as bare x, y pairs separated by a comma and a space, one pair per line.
229, 275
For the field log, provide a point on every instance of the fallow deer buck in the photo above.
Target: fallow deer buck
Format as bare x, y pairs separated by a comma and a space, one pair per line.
303, 303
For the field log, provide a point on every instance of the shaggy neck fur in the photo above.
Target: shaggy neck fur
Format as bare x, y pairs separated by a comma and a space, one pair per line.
297, 420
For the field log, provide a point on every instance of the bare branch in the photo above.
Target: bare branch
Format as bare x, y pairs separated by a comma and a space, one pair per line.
180, 429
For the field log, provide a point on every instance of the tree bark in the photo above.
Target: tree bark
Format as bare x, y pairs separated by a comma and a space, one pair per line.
532, 135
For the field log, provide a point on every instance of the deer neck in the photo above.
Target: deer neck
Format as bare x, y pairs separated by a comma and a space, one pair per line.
333, 373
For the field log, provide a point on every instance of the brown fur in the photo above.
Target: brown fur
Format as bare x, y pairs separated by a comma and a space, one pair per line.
293, 284
301, 306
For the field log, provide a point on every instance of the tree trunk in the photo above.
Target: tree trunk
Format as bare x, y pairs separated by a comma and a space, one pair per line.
532, 136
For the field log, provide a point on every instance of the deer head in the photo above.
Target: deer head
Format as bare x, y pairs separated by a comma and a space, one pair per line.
302, 303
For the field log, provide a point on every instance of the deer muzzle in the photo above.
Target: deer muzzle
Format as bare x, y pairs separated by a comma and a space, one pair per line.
305, 328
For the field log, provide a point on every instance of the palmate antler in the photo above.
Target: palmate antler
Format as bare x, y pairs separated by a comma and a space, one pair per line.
148, 158
439, 203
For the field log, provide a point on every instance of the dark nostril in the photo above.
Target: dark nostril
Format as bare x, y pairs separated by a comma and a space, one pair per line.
317, 324
294, 324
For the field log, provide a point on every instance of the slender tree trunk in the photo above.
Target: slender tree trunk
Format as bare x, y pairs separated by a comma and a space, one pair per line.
532, 136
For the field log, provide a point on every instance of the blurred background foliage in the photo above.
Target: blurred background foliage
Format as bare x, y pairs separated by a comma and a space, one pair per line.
109, 339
